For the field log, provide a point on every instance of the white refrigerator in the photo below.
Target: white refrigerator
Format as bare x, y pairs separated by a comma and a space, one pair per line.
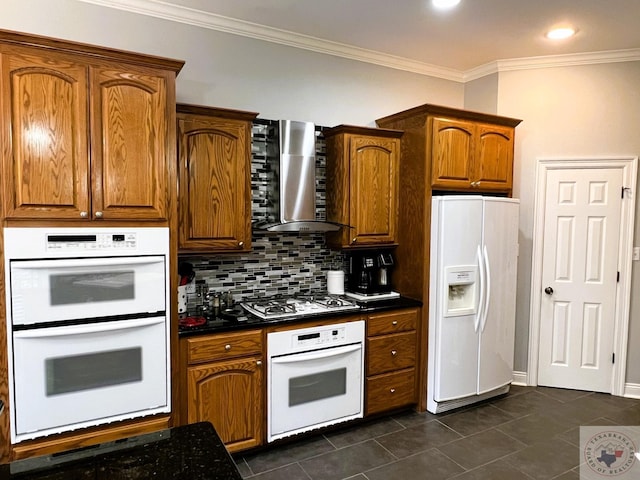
472, 295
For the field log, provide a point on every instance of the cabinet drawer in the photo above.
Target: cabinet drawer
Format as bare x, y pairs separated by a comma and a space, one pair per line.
392, 322
218, 347
391, 390
391, 352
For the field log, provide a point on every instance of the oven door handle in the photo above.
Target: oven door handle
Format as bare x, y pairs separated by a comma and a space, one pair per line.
85, 262
316, 354
87, 328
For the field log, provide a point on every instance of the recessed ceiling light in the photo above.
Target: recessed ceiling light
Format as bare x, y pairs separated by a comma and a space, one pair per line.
561, 33
444, 4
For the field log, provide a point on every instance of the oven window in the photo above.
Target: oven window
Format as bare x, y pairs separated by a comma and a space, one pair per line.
317, 386
93, 370
74, 288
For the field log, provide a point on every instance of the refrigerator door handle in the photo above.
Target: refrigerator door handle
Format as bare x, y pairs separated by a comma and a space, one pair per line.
476, 323
487, 293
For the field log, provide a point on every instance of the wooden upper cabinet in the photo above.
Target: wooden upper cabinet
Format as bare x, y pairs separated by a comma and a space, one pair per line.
45, 156
214, 151
459, 150
129, 123
468, 155
362, 185
494, 157
453, 142
86, 133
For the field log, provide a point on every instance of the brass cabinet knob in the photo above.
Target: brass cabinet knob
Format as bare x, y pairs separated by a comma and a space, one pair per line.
240, 244
354, 240
98, 214
227, 347
394, 323
394, 353
392, 390
258, 362
84, 214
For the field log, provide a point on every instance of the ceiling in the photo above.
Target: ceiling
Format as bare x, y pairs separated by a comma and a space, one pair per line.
410, 34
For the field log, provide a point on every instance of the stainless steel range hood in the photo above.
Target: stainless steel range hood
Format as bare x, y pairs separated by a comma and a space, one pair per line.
291, 194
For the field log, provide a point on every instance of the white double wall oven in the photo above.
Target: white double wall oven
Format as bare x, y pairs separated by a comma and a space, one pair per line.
87, 326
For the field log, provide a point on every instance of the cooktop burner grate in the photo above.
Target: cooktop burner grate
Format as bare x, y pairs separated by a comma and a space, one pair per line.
297, 306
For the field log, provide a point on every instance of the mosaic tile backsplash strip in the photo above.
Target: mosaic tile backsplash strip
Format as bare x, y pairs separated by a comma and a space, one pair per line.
279, 263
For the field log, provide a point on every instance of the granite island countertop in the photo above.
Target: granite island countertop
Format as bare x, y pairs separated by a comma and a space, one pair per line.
190, 452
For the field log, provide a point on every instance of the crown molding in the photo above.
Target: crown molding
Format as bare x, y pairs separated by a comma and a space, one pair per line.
199, 18
550, 61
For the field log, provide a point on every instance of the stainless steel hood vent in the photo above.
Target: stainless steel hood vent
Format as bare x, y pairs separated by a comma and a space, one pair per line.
291, 195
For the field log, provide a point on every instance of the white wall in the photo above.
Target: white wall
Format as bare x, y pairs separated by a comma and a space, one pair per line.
230, 71
569, 111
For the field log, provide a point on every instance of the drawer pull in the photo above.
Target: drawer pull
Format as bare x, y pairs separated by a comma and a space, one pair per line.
392, 390
394, 353
395, 322
258, 362
227, 347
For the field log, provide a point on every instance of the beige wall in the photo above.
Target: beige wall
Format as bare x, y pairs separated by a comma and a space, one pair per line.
569, 111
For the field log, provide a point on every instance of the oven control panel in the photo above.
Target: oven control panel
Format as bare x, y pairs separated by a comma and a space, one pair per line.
91, 242
319, 337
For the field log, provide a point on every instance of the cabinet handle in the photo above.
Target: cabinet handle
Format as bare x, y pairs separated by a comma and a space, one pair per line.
395, 322
98, 214
240, 244
392, 390
84, 214
258, 362
394, 353
354, 240
227, 347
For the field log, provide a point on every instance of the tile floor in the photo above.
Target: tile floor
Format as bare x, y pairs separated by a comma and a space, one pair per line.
531, 433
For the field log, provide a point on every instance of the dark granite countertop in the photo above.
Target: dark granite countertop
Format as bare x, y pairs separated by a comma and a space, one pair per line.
244, 320
190, 452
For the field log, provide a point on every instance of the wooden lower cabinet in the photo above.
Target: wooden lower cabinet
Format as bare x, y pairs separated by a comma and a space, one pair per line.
225, 386
391, 360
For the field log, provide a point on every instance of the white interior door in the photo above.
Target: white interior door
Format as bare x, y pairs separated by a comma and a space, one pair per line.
582, 221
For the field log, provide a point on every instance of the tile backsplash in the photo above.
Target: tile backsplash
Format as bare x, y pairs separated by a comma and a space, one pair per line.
279, 263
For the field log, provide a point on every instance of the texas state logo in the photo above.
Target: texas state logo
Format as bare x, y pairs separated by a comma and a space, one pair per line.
609, 453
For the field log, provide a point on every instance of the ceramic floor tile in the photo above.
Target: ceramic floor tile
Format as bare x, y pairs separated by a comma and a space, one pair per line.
481, 448
625, 416
418, 438
347, 461
546, 460
573, 436
562, 394
279, 456
535, 428
498, 470
476, 419
292, 471
360, 433
526, 403
431, 465
570, 475
410, 419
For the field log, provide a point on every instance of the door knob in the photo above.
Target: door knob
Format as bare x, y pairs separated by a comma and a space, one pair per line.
548, 291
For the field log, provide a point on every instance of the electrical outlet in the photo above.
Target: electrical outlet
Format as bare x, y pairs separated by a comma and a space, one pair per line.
191, 287
636, 254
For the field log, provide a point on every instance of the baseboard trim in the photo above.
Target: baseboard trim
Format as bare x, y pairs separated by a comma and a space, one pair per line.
632, 390
520, 379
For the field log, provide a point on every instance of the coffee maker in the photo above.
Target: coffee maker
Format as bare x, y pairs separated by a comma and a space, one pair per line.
370, 272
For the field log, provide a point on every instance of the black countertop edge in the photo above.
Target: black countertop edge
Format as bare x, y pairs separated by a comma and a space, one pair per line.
218, 324
193, 452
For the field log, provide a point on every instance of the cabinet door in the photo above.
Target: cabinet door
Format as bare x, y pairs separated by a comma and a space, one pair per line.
493, 163
452, 153
214, 177
374, 189
129, 151
229, 395
43, 123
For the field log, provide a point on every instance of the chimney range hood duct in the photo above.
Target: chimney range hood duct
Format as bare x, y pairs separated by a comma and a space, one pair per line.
291, 192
